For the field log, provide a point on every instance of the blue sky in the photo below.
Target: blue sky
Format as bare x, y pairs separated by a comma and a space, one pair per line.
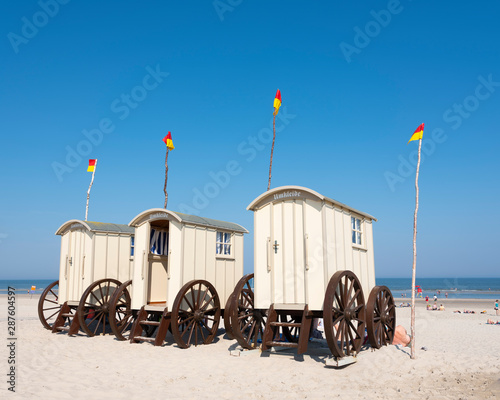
356, 80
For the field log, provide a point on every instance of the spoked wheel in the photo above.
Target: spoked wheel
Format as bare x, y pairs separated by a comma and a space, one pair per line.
247, 323
291, 334
48, 307
93, 310
227, 317
380, 317
195, 314
344, 314
121, 317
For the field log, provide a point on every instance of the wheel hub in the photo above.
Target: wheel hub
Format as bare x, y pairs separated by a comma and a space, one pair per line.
349, 314
199, 315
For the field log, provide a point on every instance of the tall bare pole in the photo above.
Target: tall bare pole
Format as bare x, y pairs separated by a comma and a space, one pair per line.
272, 150
88, 191
166, 177
414, 257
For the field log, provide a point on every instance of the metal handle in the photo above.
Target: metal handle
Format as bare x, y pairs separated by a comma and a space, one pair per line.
168, 264
143, 263
306, 250
268, 254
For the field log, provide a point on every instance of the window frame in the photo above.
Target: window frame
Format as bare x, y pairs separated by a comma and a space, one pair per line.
360, 232
223, 244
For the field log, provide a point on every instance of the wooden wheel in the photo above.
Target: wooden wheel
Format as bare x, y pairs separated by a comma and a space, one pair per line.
120, 312
380, 317
291, 334
48, 307
93, 310
247, 323
227, 317
344, 314
195, 314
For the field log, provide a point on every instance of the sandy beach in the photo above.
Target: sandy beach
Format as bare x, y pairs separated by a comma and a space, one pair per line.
460, 361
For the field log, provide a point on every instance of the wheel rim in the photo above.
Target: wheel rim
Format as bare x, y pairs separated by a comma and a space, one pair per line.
93, 310
195, 314
120, 312
380, 317
344, 314
48, 306
227, 317
247, 323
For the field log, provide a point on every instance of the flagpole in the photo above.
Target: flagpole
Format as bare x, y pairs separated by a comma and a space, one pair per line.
414, 256
88, 191
272, 150
166, 176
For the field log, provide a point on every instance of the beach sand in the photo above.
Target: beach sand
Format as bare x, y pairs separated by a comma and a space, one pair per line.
461, 361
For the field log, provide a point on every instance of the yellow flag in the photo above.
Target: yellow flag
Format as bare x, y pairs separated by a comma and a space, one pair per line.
419, 132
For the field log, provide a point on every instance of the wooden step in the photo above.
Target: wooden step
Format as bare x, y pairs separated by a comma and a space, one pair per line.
63, 328
151, 323
142, 320
288, 324
282, 344
144, 339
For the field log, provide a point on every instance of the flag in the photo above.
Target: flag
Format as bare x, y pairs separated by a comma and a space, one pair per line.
277, 102
168, 141
91, 166
418, 133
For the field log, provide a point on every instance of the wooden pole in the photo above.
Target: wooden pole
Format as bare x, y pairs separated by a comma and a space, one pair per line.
272, 150
166, 177
88, 191
413, 356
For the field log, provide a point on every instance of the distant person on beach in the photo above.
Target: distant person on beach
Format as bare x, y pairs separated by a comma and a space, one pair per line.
496, 305
426, 299
435, 299
446, 295
441, 308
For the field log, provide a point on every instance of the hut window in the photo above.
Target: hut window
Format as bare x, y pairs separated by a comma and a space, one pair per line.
223, 243
132, 245
158, 242
356, 230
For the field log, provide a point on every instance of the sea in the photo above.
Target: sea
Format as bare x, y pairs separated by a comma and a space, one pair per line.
454, 288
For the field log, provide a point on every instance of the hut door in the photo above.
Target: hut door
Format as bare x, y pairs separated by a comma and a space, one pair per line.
287, 247
158, 266
75, 255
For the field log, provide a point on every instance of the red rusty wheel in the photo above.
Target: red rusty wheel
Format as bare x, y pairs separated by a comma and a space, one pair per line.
380, 317
344, 314
121, 317
247, 323
93, 309
48, 307
195, 314
227, 317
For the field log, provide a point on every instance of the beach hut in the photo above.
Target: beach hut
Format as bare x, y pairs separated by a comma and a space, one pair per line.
184, 267
313, 258
96, 257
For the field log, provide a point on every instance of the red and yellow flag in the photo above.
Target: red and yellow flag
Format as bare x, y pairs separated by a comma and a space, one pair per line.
91, 166
419, 132
277, 102
168, 141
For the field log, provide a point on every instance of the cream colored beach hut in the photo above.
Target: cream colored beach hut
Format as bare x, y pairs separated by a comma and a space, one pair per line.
313, 258
91, 251
180, 260
95, 259
301, 238
173, 248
